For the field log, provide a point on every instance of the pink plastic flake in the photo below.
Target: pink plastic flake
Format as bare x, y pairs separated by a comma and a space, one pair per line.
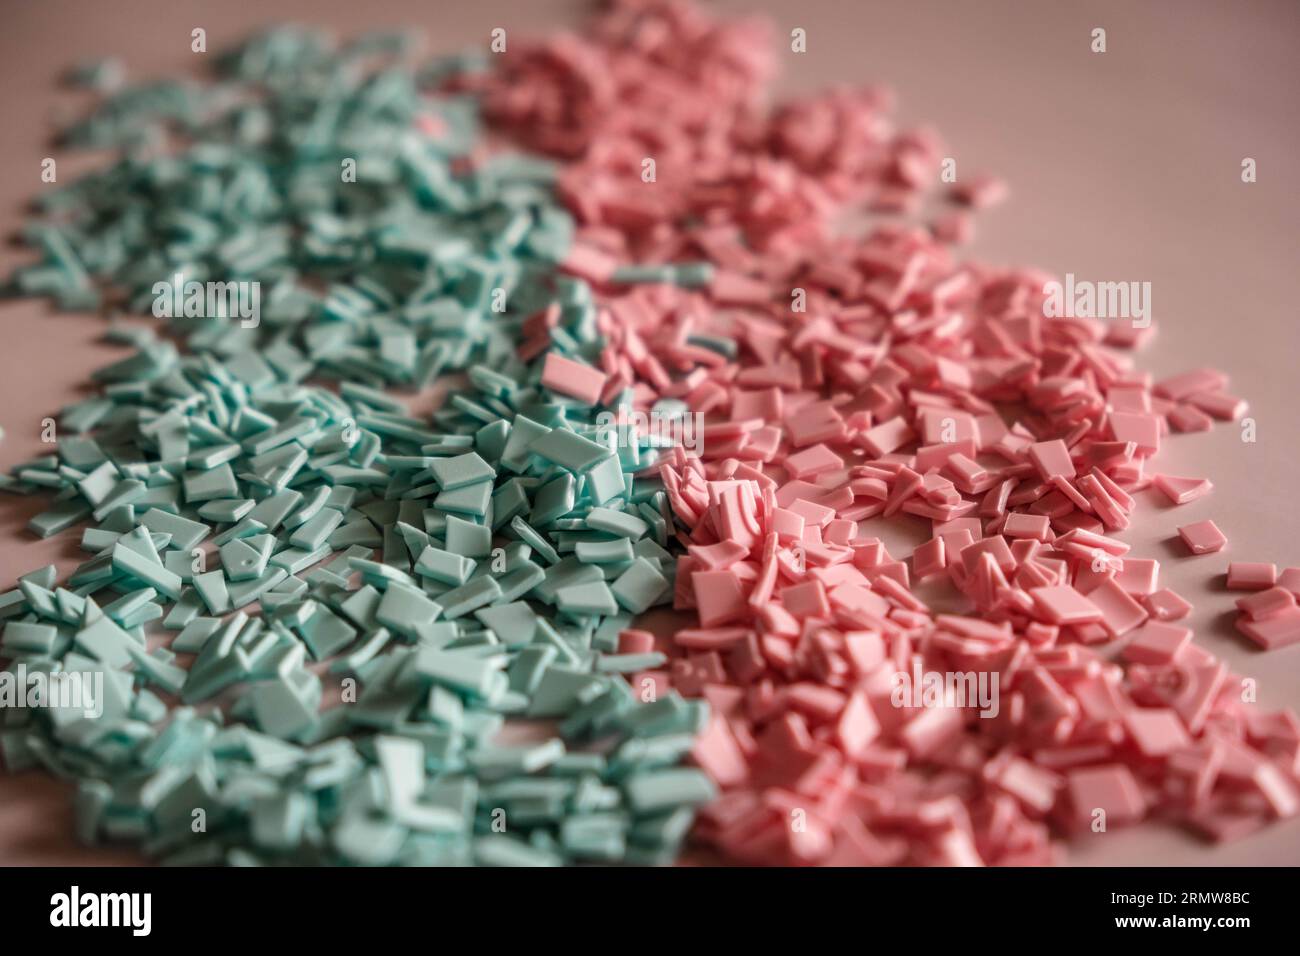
1251, 576
1138, 576
1290, 579
573, 378
1191, 383
1276, 630
1203, 537
1111, 790
1064, 605
1167, 605
1269, 617
879, 379
1266, 603
1182, 490
1157, 643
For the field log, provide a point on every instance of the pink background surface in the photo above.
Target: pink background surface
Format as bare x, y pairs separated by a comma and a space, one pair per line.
1123, 166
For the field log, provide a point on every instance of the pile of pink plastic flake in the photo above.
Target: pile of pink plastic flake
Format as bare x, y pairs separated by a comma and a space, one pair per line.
871, 379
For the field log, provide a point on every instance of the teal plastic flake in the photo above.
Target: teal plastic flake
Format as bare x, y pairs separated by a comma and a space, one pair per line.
444, 566
520, 581
534, 540
225, 510
98, 484
270, 512
461, 671
640, 587
185, 534
185, 610
490, 440
105, 641
498, 762
43, 578
241, 561
129, 561
243, 593
630, 663
553, 500
316, 531
195, 634
453, 473
211, 587
126, 605
59, 518
616, 522
218, 482
167, 676
22, 637
604, 552
606, 481
467, 539
509, 501
469, 500
469, 597
309, 508
514, 624
523, 433
325, 634
569, 450
502, 850
560, 689
658, 791
286, 707
125, 492
294, 560
363, 653
359, 607
406, 610
591, 598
